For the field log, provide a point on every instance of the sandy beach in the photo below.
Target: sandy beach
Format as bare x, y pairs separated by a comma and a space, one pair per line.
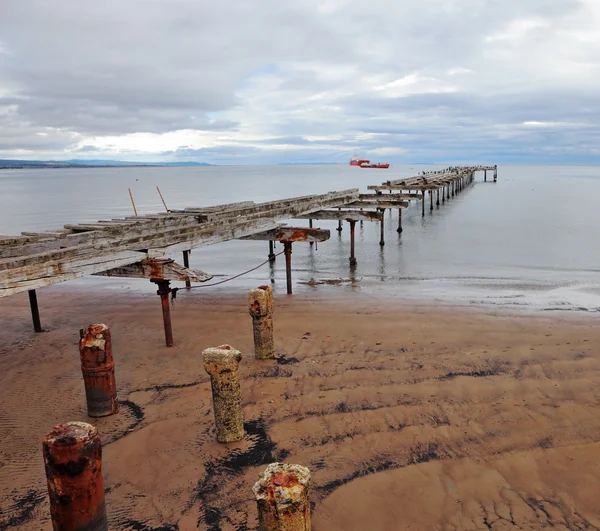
408, 417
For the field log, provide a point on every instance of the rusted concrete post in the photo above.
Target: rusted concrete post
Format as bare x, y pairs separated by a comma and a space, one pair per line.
221, 363
260, 303
164, 291
382, 228
186, 263
35, 311
282, 497
287, 249
271, 253
423, 203
352, 257
98, 368
73, 460
399, 229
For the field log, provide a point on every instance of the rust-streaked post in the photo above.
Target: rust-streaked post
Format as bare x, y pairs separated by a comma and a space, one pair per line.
73, 460
283, 498
352, 257
260, 302
399, 229
98, 368
272, 256
35, 311
287, 250
423, 202
222, 363
186, 263
164, 291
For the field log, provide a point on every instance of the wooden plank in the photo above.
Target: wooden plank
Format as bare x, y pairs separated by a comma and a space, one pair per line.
378, 204
22, 280
343, 215
291, 234
164, 269
389, 197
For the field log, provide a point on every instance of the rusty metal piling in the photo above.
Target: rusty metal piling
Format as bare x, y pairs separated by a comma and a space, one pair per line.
186, 263
73, 459
287, 251
352, 257
98, 368
260, 302
164, 291
272, 256
282, 496
35, 311
222, 363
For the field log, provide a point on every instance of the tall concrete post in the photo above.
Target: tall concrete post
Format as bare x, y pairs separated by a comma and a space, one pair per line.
98, 368
73, 461
222, 363
282, 497
260, 303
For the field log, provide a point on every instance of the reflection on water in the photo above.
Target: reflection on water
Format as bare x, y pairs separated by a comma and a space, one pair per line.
526, 241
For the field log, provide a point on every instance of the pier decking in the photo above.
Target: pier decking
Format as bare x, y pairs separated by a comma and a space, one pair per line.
137, 246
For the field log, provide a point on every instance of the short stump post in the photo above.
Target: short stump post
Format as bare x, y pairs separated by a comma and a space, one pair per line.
73, 460
282, 496
260, 303
98, 368
221, 363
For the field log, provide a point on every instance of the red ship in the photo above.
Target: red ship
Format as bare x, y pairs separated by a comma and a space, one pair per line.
355, 161
379, 165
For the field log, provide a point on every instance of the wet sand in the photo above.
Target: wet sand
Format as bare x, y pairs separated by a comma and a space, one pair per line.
409, 417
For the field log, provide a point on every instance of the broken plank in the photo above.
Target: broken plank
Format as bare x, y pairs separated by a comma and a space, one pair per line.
291, 234
343, 215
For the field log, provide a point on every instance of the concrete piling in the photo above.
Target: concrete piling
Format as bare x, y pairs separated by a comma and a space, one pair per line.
98, 368
399, 229
423, 203
73, 460
430, 200
352, 230
282, 497
260, 302
382, 228
437, 202
222, 363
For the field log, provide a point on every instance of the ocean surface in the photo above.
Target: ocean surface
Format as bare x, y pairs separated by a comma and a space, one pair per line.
529, 241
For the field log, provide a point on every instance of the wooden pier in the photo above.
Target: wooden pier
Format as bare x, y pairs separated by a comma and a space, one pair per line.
138, 246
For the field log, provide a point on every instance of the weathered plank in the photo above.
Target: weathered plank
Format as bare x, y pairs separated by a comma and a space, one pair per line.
164, 269
291, 234
343, 215
378, 204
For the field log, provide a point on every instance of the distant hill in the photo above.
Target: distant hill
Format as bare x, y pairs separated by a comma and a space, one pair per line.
78, 163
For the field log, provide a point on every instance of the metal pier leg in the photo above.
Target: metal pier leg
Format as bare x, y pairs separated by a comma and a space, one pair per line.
287, 249
382, 225
164, 291
35, 312
271, 253
399, 229
352, 257
186, 263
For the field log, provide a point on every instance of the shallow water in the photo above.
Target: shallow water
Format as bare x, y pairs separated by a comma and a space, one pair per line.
527, 241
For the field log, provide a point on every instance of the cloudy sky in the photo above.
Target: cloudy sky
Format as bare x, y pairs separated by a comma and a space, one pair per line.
268, 81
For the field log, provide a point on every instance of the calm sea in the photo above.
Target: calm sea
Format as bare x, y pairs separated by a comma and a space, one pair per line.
528, 241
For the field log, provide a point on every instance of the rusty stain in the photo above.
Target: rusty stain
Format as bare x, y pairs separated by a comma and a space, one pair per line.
73, 460
98, 368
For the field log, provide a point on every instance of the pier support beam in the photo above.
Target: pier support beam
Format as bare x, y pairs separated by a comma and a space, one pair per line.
423, 203
287, 250
339, 228
310, 225
437, 202
352, 257
399, 229
495, 173
35, 312
164, 291
186, 264
485, 176
448, 191
271, 257
431, 200
382, 227
443, 194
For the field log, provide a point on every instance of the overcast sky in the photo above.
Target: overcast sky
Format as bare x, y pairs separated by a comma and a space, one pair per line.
267, 81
